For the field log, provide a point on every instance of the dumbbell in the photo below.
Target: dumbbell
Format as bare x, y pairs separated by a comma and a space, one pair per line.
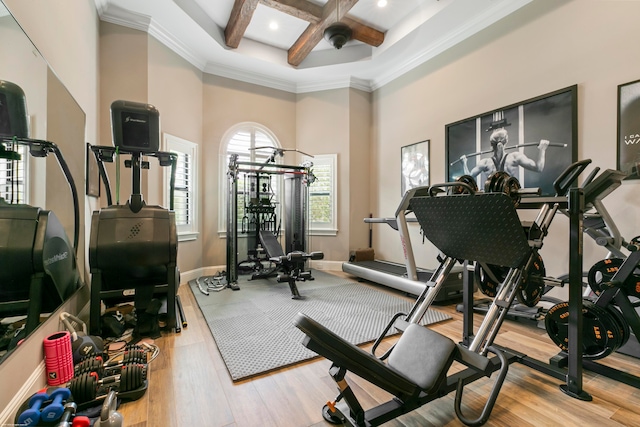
88, 386
55, 409
31, 416
96, 363
70, 409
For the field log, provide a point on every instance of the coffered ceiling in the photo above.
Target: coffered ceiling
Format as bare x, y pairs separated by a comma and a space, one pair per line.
280, 44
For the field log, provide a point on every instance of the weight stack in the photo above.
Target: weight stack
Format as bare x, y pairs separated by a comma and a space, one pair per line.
58, 358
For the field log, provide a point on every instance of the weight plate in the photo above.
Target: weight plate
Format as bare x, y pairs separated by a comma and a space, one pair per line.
622, 323
602, 272
532, 284
494, 182
632, 285
601, 334
502, 182
486, 283
467, 179
510, 188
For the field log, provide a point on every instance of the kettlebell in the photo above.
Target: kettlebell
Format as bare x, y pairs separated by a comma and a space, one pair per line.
109, 417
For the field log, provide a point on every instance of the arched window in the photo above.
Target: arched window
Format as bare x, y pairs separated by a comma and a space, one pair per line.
252, 142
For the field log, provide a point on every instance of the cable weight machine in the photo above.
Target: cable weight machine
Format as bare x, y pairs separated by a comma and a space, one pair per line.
261, 225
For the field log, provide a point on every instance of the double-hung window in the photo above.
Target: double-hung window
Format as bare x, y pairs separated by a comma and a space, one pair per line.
322, 195
185, 187
13, 173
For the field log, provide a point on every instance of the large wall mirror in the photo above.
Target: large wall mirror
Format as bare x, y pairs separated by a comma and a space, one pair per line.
37, 182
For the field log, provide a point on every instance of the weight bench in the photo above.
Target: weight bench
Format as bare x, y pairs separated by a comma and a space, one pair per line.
291, 265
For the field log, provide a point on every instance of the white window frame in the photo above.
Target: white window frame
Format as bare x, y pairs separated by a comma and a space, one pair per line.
23, 175
326, 229
178, 145
224, 167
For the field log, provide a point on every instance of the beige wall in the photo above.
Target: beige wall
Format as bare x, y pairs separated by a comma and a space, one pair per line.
543, 47
175, 89
124, 76
323, 128
360, 125
226, 103
66, 33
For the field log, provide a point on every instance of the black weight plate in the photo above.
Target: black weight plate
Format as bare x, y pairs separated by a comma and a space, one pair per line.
491, 184
601, 335
532, 284
602, 272
632, 285
486, 284
621, 322
511, 187
467, 179
497, 181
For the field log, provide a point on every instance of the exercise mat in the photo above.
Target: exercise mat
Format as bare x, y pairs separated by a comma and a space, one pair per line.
254, 329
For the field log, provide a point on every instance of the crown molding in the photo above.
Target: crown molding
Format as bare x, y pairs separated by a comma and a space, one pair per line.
489, 17
118, 16
249, 77
173, 43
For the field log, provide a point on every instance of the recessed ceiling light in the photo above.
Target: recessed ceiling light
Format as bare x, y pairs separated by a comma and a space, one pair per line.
382, 3
273, 25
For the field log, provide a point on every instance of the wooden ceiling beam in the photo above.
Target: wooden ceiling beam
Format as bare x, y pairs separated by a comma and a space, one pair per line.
364, 33
312, 35
319, 18
241, 15
302, 9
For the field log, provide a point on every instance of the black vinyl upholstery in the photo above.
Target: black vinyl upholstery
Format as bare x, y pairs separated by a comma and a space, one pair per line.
418, 363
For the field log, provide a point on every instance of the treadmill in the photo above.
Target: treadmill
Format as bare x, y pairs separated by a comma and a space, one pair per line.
408, 277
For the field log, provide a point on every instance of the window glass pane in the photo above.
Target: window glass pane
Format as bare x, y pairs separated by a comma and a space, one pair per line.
249, 145
320, 200
182, 201
12, 177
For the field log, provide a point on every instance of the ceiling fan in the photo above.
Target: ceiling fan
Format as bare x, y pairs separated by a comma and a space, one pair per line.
338, 33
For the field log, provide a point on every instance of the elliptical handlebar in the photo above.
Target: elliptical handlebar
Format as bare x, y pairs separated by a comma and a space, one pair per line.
106, 153
41, 148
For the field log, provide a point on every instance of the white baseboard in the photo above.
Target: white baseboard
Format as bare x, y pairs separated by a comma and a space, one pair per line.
326, 265
186, 276
34, 382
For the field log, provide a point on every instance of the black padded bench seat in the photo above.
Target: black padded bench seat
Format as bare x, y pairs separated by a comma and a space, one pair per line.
418, 363
270, 244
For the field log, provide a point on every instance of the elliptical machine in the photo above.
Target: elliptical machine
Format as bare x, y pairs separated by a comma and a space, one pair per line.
38, 266
133, 248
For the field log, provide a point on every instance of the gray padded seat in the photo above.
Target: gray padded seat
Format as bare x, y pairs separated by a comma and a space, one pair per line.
423, 356
418, 362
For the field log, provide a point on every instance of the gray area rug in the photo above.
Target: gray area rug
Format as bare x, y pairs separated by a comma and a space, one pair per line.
254, 329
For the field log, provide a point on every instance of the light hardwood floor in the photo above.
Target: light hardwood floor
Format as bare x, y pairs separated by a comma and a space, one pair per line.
189, 386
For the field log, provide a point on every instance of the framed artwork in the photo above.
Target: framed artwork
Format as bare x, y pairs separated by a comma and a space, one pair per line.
92, 179
534, 141
414, 165
629, 128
